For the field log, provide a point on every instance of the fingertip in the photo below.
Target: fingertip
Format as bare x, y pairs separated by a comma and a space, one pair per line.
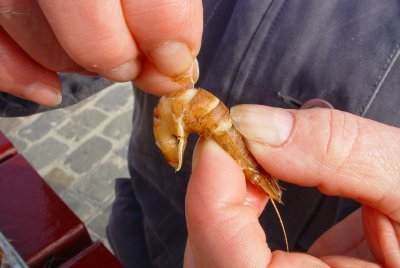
197, 152
125, 72
216, 179
21, 76
212, 158
172, 58
190, 77
263, 124
42, 94
214, 168
346, 261
152, 81
168, 32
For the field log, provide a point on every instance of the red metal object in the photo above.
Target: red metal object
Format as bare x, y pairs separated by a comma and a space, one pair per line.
39, 225
94, 256
7, 150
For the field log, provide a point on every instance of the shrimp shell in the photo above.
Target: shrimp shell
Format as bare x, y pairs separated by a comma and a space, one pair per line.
182, 112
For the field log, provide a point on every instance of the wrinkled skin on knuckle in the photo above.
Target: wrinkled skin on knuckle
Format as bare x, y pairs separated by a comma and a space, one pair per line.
341, 137
359, 153
335, 136
375, 159
340, 146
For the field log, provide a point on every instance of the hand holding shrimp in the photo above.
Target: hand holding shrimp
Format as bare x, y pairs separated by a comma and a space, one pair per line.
196, 110
148, 42
343, 158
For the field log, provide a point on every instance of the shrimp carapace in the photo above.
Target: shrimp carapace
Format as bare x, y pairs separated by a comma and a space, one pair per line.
196, 110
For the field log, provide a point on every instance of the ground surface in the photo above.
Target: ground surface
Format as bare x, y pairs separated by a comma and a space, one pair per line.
80, 150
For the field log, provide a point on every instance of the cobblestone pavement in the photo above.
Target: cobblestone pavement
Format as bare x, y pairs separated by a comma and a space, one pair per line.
80, 150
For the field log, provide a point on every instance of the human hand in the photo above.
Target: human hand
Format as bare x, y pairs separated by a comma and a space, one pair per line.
339, 153
154, 43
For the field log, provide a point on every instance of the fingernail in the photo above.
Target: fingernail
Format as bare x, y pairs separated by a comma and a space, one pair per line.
172, 58
43, 94
203, 145
190, 78
196, 152
195, 70
125, 72
262, 124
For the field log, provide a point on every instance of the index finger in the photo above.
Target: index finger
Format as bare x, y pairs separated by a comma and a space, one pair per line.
168, 32
338, 152
223, 230
95, 35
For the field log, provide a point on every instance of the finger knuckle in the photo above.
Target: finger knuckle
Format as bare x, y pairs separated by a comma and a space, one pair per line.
360, 152
342, 133
338, 141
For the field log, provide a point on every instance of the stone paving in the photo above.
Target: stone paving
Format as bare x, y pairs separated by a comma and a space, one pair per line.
80, 150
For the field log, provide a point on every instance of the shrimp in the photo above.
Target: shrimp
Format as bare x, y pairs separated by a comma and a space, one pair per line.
182, 112
197, 110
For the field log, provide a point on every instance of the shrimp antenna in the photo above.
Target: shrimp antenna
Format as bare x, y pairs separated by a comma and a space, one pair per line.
281, 222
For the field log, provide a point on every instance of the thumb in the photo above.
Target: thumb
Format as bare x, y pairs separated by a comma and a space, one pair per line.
169, 35
219, 219
338, 152
223, 227
168, 32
